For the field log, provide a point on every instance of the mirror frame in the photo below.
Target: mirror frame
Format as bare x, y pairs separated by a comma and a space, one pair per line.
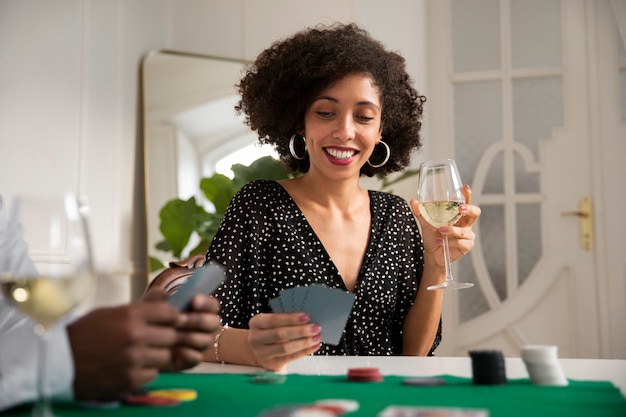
187, 106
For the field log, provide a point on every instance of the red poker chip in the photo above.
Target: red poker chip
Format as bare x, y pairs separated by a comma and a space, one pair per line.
152, 401
364, 375
363, 371
333, 409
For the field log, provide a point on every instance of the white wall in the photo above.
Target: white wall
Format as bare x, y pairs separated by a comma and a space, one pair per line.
70, 116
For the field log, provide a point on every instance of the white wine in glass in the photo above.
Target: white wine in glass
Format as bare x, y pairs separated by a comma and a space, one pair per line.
439, 193
57, 234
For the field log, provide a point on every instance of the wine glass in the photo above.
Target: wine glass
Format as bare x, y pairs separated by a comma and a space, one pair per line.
60, 274
439, 193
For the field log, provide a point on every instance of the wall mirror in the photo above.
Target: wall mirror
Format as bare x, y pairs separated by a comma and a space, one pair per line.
190, 127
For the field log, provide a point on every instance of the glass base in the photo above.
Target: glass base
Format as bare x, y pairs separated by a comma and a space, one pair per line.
43, 409
450, 285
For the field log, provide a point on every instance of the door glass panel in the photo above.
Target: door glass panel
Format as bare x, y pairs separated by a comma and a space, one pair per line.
477, 124
471, 303
529, 247
494, 183
537, 109
525, 182
492, 238
535, 33
475, 35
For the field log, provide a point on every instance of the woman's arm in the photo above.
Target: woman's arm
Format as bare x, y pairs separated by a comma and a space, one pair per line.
272, 342
422, 321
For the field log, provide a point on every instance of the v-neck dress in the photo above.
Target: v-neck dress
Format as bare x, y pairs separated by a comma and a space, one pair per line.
266, 245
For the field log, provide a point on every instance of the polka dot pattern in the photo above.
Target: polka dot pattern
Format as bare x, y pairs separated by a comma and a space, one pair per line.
266, 245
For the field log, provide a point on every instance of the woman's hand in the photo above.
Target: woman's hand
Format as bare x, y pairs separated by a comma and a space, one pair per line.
461, 237
277, 339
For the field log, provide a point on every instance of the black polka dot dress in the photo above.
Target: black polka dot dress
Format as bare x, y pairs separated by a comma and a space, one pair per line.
266, 245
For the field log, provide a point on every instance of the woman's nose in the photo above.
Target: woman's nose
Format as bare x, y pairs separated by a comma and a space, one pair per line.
344, 130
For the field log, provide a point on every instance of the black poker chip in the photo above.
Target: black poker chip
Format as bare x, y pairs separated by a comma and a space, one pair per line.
488, 367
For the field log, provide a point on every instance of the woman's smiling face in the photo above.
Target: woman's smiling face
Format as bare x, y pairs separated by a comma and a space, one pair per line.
342, 126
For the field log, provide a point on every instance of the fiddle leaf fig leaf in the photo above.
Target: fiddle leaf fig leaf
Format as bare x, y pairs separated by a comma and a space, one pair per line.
266, 168
177, 222
219, 190
155, 264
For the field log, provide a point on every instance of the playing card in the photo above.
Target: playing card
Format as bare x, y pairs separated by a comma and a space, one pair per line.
299, 295
287, 300
276, 305
330, 308
408, 411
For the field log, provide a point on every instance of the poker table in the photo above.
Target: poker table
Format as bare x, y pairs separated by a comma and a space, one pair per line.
231, 391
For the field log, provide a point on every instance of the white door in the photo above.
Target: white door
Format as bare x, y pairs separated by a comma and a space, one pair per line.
514, 96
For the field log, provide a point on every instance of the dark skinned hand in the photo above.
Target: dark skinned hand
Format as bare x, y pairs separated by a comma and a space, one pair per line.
119, 349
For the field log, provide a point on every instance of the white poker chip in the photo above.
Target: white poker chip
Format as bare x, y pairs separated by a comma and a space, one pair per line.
347, 405
309, 412
539, 353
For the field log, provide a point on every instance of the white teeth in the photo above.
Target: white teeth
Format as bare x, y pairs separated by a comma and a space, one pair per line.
340, 154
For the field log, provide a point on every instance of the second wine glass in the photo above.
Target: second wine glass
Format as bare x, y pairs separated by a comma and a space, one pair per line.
56, 230
440, 195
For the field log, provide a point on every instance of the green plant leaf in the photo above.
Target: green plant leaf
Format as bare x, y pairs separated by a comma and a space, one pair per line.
219, 190
201, 248
266, 168
177, 222
155, 264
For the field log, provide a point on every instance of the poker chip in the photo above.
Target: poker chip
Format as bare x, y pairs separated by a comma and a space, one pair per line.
543, 365
346, 405
488, 367
152, 401
364, 375
312, 412
176, 394
423, 382
334, 410
268, 378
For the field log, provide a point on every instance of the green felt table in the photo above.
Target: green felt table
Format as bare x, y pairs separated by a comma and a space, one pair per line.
235, 395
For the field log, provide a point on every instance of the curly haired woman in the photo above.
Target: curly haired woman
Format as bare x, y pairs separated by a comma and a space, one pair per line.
336, 105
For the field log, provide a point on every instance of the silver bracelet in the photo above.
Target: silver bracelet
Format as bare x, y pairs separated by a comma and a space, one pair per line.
216, 344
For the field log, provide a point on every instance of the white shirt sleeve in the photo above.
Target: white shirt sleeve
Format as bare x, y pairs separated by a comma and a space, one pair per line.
18, 341
19, 360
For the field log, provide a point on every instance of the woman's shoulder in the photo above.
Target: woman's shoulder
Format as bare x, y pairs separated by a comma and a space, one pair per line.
389, 205
388, 198
259, 188
259, 192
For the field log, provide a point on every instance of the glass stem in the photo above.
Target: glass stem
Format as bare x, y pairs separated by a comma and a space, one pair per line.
42, 406
446, 257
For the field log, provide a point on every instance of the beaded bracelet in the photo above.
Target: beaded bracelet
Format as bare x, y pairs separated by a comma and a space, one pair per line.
216, 344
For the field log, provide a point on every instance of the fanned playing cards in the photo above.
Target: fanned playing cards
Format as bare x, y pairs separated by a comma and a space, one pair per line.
327, 307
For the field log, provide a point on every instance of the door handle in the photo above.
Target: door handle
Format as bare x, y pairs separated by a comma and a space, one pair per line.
585, 214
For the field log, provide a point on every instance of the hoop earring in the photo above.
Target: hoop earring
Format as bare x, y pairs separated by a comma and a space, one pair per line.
292, 150
386, 157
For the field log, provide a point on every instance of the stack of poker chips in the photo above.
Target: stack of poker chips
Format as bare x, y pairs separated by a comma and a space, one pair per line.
488, 367
543, 366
